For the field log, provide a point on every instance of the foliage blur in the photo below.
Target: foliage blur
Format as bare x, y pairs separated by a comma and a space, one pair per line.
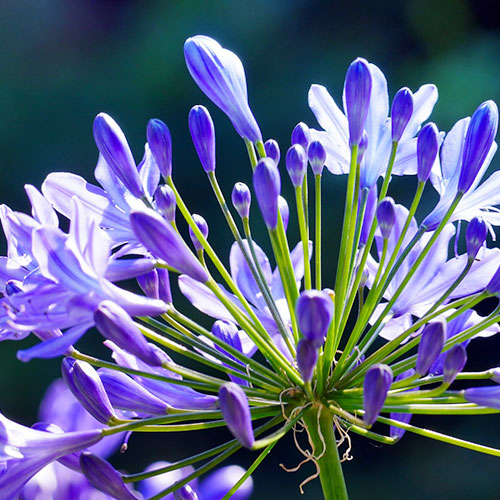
63, 61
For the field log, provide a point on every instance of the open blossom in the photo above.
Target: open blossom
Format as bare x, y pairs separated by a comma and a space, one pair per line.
276, 344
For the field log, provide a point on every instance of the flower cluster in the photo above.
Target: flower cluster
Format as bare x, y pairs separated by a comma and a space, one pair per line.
277, 344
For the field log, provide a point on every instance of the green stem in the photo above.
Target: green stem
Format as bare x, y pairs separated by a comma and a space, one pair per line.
319, 424
303, 236
317, 227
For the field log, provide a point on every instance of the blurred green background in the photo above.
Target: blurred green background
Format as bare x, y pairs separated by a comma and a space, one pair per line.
63, 61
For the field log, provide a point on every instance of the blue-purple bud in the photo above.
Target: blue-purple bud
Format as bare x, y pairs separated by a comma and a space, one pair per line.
202, 225
284, 211
126, 394
236, 413
164, 292
161, 239
386, 216
427, 150
150, 284
267, 185
220, 75
202, 131
314, 311
241, 198
493, 286
454, 363
307, 357
296, 164
160, 144
102, 475
431, 344
301, 135
475, 236
378, 380
357, 89
484, 396
115, 324
166, 202
85, 384
185, 493
317, 157
272, 150
401, 111
495, 375
114, 148
480, 135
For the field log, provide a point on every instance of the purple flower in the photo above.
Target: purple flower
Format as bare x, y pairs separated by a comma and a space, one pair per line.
284, 211
215, 485
162, 240
401, 111
220, 75
166, 202
307, 357
454, 363
114, 147
301, 136
477, 230
25, 451
267, 185
236, 413
484, 396
272, 150
160, 143
427, 150
202, 225
358, 87
296, 164
314, 311
202, 131
241, 199
386, 216
378, 380
431, 345
317, 157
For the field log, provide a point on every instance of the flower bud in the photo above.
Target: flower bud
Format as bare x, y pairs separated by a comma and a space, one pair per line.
164, 292
149, 284
484, 396
284, 211
301, 135
166, 202
202, 131
427, 150
454, 363
317, 157
85, 384
398, 432
160, 144
236, 413
267, 185
202, 225
479, 137
378, 380
386, 216
241, 199
161, 239
307, 357
431, 344
475, 236
357, 89
126, 394
115, 324
272, 150
114, 148
220, 75
314, 311
185, 493
296, 164
401, 111
102, 475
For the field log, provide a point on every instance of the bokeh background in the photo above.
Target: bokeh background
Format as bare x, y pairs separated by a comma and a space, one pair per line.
63, 61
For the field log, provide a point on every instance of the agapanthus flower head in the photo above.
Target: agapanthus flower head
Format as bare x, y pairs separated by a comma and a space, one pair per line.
160, 143
301, 135
314, 312
241, 198
114, 148
401, 111
378, 380
480, 136
475, 236
317, 156
296, 164
236, 413
386, 216
357, 88
431, 344
267, 185
427, 150
202, 131
202, 225
272, 150
220, 75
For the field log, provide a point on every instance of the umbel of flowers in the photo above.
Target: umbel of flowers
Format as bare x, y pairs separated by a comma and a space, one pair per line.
387, 339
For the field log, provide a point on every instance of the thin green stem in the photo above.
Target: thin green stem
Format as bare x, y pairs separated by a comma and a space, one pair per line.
317, 228
304, 236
